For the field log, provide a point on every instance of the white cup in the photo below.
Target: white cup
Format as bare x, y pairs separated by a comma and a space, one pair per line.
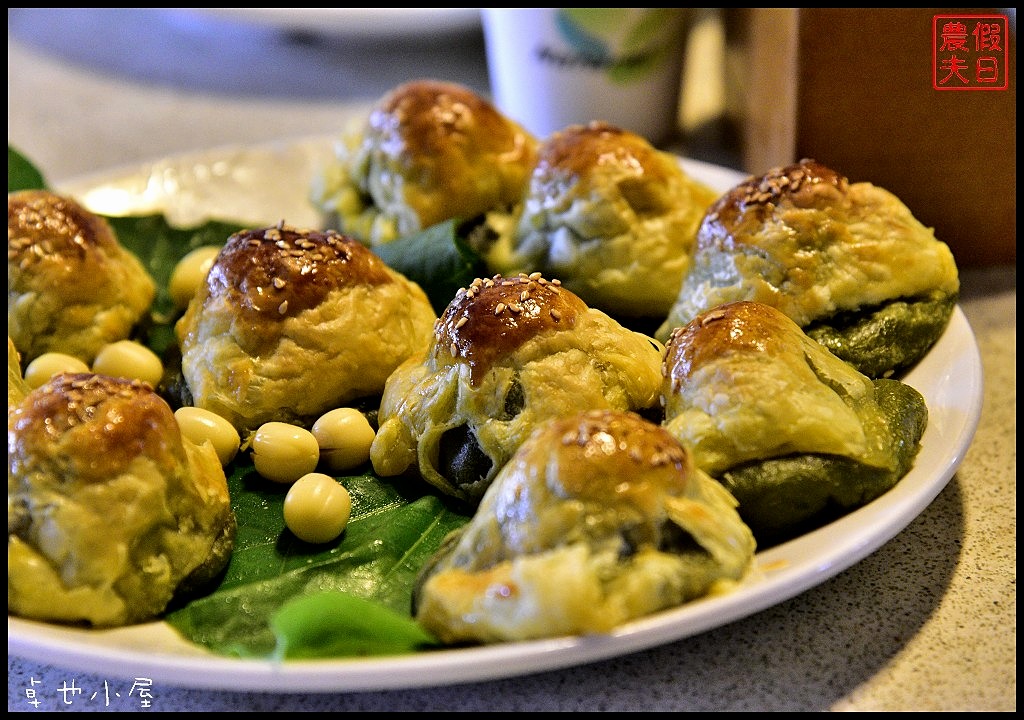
554, 67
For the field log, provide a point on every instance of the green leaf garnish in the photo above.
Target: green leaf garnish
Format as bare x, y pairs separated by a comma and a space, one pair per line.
160, 246
336, 624
21, 173
438, 258
391, 534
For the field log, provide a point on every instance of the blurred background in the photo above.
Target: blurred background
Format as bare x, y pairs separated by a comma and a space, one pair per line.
760, 87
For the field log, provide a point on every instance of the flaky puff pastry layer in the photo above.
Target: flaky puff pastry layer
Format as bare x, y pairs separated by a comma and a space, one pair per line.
71, 286
507, 354
805, 240
428, 151
600, 517
611, 216
797, 435
111, 512
292, 322
744, 382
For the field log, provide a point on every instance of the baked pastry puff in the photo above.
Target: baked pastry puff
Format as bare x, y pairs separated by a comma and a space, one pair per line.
71, 286
428, 151
611, 216
111, 512
791, 430
600, 517
506, 355
848, 262
291, 323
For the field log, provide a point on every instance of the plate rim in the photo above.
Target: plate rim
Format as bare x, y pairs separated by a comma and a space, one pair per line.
774, 580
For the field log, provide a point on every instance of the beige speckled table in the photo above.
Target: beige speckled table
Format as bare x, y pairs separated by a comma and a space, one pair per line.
926, 622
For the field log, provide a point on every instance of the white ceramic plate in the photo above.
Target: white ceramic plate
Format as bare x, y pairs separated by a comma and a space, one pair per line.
262, 185
378, 23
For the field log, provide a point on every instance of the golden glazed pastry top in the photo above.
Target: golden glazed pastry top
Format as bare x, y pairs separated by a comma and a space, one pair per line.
277, 272
601, 448
580, 151
744, 382
802, 184
44, 227
805, 240
72, 287
736, 330
293, 322
111, 510
428, 151
598, 518
611, 216
495, 316
116, 420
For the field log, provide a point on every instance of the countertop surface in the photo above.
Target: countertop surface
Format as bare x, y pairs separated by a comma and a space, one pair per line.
926, 622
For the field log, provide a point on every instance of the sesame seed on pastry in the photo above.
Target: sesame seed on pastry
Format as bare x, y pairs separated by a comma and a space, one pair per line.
507, 353
71, 286
848, 262
600, 517
111, 512
293, 322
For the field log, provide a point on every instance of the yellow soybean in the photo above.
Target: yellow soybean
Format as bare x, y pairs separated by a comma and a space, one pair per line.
202, 426
189, 273
317, 508
49, 364
344, 436
283, 453
131, 360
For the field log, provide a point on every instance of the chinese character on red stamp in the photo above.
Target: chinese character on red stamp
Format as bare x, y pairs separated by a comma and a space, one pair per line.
970, 52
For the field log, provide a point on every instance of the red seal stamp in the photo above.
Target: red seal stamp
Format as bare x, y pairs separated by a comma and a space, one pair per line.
970, 52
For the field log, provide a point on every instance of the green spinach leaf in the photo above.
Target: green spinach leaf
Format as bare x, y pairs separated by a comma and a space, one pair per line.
336, 624
438, 258
389, 537
21, 173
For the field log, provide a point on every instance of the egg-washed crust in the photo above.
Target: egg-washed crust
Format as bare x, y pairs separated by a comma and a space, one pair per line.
600, 517
788, 427
826, 252
293, 322
112, 513
610, 215
507, 353
494, 316
428, 151
71, 286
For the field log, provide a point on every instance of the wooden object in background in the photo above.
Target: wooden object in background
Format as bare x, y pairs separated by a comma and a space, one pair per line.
852, 88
